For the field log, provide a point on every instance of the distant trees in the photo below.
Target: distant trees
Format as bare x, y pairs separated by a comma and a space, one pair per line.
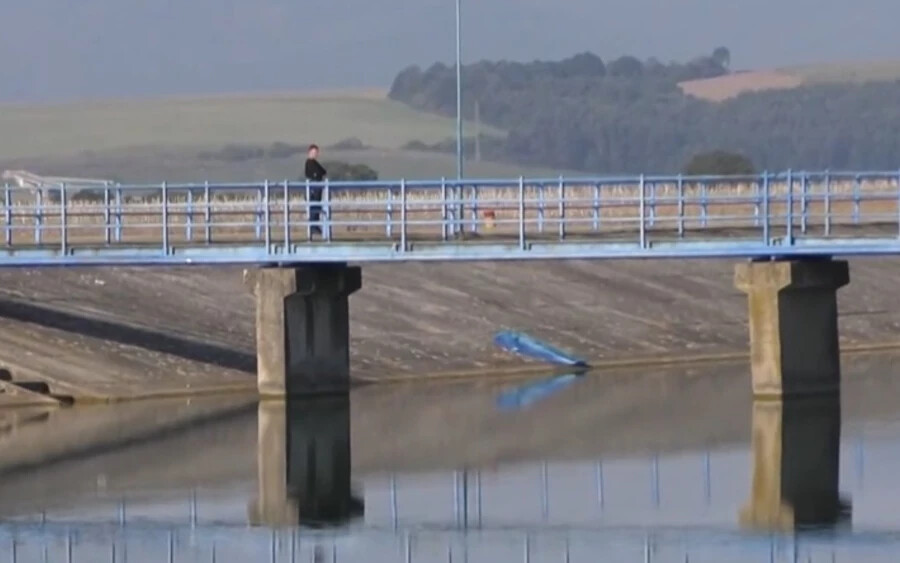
719, 163
628, 115
339, 171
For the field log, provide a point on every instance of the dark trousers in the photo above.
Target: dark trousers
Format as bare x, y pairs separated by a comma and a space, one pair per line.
315, 210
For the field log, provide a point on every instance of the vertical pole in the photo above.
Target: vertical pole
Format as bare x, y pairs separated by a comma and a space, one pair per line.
596, 210
766, 238
562, 209
680, 205
654, 469
642, 205
287, 216
394, 501
704, 204
545, 492
189, 216
308, 209
257, 217
827, 211
389, 227
164, 195
651, 211
444, 213
267, 217
38, 216
459, 123
856, 198
106, 214
898, 204
193, 508
804, 201
756, 189
521, 213
789, 212
540, 208
207, 214
325, 213
63, 221
402, 215
7, 197
119, 219
474, 208
599, 477
707, 478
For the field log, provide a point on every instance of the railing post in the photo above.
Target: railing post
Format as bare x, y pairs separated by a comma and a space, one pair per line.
804, 203
38, 215
562, 209
598, 476
267, 217
325, 212
596, 210
789, 209
704, 204
165, 218
651, 210
403, 215
207, 213
474, 227
287, 217
642, 205
189, 215
540, 213
856, 198
106, 226
680, 206
309, 224
389, 218
63, 220
654, 483
766, 218
828, 203
7, 197
257, 217
444, 214
756, 196
898, 204
521, 213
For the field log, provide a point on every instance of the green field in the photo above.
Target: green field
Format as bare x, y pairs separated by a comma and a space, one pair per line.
52, 130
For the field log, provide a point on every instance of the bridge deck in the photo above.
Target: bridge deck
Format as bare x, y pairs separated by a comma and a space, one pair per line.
472, 220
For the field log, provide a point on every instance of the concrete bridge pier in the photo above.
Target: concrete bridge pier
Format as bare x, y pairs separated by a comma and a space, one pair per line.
796, 457
793, 319
303, 457
303, 328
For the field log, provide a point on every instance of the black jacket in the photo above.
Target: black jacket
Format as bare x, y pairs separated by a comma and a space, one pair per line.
314, 171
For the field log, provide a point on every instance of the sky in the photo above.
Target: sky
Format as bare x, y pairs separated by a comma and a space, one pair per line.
53, 50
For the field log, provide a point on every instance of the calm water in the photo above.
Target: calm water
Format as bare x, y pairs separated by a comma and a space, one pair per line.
635, 469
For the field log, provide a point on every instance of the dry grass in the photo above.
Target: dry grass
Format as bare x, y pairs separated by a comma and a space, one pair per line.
376, 214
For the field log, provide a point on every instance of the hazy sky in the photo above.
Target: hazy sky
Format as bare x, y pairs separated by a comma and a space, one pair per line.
63, 49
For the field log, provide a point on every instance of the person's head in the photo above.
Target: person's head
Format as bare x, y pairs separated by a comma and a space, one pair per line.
313, 151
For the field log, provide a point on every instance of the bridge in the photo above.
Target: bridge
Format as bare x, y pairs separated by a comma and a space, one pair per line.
789, 223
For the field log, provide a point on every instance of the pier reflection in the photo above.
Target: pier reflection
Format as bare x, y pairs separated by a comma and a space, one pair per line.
303, 458
796, 460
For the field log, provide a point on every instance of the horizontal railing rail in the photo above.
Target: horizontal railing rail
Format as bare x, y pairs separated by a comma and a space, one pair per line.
769, 214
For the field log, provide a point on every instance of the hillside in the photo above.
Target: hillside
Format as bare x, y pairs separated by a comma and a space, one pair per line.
728, 86
627, 115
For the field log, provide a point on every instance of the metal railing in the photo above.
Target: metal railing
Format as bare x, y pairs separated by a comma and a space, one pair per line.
761, 215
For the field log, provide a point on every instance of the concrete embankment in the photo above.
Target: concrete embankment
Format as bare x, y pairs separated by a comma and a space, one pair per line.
124, 333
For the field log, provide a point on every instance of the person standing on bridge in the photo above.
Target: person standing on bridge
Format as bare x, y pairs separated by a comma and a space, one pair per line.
314, 172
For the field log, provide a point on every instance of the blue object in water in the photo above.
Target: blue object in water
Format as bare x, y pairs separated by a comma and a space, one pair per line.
528, 346
527, 395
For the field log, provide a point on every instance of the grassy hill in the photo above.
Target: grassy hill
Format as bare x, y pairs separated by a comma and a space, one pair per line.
149, 140
324, 118
729, 86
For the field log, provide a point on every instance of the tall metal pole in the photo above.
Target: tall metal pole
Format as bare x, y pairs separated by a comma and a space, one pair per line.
459, 123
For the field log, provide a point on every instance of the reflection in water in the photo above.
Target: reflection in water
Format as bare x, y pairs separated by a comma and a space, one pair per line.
636, 485
796, 463
303, 457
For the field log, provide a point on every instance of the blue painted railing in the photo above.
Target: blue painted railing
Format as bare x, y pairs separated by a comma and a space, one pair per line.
771, 214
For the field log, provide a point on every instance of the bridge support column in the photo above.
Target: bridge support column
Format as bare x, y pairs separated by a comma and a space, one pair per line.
303, 328
796, 459
793, 318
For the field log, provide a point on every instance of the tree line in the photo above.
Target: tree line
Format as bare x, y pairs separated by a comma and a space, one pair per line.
628, 115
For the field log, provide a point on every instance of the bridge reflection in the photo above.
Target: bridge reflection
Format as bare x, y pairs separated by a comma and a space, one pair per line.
303, 456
